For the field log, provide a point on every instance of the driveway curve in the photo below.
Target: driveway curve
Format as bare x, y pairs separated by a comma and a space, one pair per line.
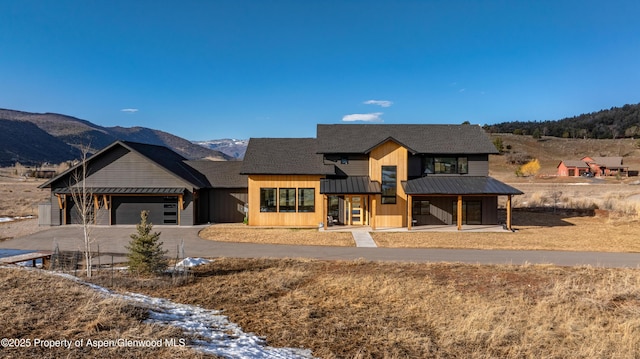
113, 239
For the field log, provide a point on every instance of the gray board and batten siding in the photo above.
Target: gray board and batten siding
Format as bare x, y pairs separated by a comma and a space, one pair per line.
134, 183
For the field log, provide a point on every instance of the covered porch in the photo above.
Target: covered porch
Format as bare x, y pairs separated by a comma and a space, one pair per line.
350, 202
456, 202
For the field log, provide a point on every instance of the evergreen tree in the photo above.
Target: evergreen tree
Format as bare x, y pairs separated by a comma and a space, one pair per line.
146, 255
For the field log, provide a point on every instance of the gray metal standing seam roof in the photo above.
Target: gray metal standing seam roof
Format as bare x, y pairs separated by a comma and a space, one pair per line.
350, 185
125, 190
457, 185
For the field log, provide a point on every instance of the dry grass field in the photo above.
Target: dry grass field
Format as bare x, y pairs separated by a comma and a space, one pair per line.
296, 236
535, 231
20, 197
38, 306
373, 310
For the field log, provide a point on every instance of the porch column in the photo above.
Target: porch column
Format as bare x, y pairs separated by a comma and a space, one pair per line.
325, 211
409, 212
373, 211
64, 209
509, 212
349, 217
459, 214
96, 208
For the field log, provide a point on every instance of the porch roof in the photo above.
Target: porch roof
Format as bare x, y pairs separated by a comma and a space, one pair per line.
350, 185
126, 190
457, 185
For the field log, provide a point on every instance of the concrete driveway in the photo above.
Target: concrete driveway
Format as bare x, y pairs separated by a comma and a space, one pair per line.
113, 239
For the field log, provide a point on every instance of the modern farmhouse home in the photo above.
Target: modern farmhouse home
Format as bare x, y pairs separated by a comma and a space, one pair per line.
362, 175
376, 175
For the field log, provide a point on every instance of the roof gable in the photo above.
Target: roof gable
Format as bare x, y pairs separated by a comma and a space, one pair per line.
163, 157
417, 138
574, 163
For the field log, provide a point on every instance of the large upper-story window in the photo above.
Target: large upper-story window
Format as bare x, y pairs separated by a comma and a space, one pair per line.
389, 184
445, 165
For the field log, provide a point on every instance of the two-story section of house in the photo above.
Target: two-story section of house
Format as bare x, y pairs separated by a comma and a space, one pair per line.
376, 175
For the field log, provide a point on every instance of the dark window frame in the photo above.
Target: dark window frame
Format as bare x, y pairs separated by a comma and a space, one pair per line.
389, 187
287, 199
421, 207
441, 165
268, 204
303, 207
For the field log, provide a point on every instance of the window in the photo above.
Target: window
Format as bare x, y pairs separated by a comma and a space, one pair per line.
287, 200
267, 199
445, 165
463, 165
334, 207
389, 184
421, 208
307, 200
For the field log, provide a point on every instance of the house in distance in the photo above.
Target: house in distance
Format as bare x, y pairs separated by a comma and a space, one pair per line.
593, 166
374, 175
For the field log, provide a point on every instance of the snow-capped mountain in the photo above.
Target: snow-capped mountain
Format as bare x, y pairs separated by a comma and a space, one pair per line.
229, 146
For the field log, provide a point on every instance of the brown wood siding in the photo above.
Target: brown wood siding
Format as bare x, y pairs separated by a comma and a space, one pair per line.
390, 154
257, 218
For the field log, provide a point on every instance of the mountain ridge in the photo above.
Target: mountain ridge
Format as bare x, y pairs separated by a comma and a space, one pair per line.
615, 122
36, 138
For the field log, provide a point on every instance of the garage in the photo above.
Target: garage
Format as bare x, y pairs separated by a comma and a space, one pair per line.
162, 210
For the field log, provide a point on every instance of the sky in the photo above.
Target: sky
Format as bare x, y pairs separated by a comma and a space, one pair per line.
212, 69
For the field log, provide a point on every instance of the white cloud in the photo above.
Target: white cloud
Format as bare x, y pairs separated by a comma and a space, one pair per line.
381, 103
366, 117
129, 110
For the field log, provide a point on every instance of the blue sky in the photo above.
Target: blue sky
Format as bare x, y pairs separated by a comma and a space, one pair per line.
215, 69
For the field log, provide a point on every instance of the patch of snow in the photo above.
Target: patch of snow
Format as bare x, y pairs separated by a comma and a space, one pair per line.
192, 262
220, 336
11, 219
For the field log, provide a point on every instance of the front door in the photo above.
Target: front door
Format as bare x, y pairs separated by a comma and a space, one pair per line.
357, 210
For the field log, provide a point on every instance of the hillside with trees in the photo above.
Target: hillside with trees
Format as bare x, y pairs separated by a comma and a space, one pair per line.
616, 122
